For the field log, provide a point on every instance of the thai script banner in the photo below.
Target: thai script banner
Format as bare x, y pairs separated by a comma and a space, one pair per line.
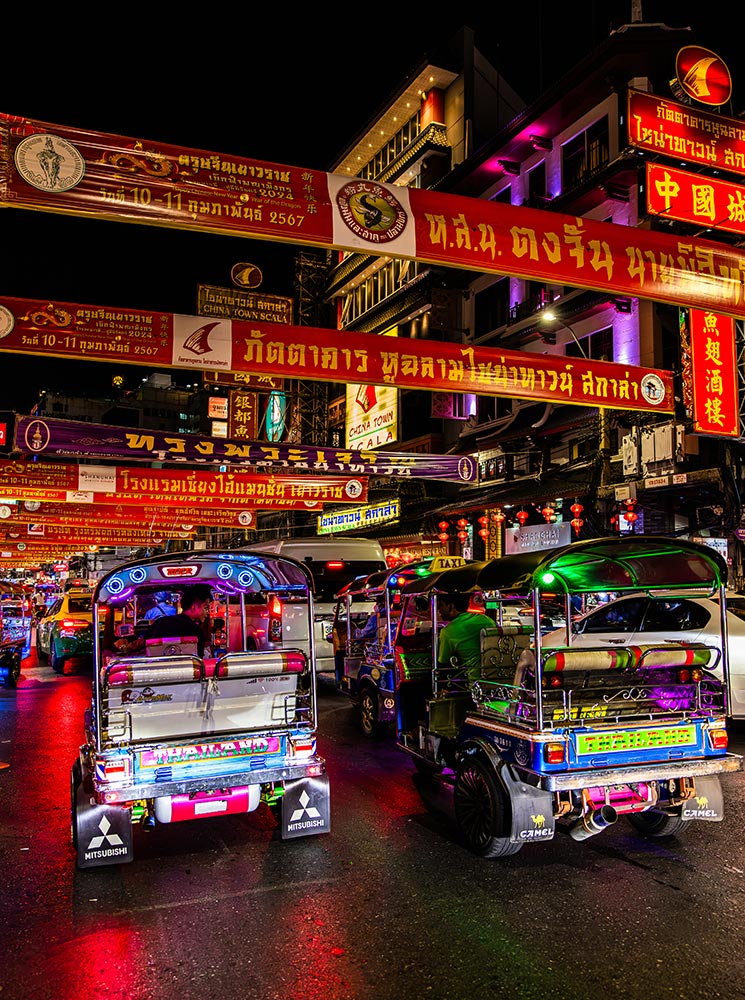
694, 198
134, 336
358, 517
88, 535
716, 407
171, 518
73, 439
55, 168
686, 133
117, 484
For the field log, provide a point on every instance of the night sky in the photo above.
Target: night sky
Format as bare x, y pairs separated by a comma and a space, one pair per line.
273, 88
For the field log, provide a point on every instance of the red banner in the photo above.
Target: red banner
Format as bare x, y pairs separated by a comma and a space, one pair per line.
171, 487
164, 518
694, 198
59, 169
686, 133
56, 534
714, 372
134, 336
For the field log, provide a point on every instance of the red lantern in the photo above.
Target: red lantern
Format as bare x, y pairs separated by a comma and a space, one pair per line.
522, 516
484, 532
548, 513
577, 523
462, 522
443, 525
463, 535
483, 520
498, 517
576, 509
444, 536
631, 516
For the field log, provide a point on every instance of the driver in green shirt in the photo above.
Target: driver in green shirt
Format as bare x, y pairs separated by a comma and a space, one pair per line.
461, 637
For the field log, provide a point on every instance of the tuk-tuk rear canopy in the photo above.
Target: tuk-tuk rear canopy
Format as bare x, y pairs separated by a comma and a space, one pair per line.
638, 562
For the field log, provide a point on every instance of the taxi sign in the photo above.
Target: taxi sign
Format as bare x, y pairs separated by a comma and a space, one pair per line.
440, 563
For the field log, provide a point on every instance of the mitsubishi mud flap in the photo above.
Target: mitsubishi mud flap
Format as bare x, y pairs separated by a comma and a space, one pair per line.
101, 834
306, 807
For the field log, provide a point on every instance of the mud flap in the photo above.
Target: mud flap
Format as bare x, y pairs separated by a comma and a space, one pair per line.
306, 808
532, 809
708, 802
103, 833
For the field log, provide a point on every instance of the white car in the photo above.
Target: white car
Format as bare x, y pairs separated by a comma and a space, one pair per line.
648, 620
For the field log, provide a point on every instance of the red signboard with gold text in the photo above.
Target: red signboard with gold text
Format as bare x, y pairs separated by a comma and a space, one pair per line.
694, 198
135, 336
168, 518
714, 374
55, 168
686, 133
172, 487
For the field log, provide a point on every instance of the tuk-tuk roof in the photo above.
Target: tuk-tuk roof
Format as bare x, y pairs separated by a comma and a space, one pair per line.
229, 571
375, 584
636, 562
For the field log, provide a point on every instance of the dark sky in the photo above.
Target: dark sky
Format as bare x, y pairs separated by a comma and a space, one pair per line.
283, 87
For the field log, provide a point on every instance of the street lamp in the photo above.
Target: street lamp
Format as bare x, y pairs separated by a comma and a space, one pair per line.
549, 316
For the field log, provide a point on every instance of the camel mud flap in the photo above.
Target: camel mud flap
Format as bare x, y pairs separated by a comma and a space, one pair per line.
532, 809
306, 807
102, 834
707, 803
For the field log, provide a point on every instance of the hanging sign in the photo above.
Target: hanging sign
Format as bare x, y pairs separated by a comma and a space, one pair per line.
714, 372
694, 198
173, 487
65, 329
55, 168
166, 519
72, 439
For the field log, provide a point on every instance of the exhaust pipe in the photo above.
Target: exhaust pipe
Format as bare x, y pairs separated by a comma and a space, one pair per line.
592, 823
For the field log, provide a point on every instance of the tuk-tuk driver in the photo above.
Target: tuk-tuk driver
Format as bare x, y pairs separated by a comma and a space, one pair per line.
461, 637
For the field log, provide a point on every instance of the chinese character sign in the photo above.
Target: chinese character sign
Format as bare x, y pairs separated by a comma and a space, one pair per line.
714, 374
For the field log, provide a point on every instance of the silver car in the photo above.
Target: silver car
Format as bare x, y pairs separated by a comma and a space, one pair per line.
637, 619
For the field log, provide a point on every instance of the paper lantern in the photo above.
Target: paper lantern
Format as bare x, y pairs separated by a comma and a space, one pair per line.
462, 522
483, 520
576, 509
498, 517
443, 525
484, 532
548, 513
631, 516
577, 523
444, 536
522, 516
463, 535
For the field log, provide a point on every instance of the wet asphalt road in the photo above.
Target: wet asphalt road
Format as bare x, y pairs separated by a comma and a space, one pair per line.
388, 905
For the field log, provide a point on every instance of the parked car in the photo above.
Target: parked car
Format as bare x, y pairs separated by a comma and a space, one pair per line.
66, 630
640, 619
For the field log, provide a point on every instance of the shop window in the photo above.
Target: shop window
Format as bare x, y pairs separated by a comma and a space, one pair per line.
597, 347
585, 154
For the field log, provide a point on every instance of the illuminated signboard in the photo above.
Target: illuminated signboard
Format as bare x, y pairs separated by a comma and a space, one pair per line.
357, 517
685, 133
713, 374
702, 75
702, 201
372, 416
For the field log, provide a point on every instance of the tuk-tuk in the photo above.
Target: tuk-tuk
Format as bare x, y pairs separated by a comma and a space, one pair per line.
195, 726
363, 663
543, 738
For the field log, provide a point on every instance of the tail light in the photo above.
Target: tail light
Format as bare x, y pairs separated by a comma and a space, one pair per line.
275, 619
718, 738
554, 753
552, 680
68, 626
687, 675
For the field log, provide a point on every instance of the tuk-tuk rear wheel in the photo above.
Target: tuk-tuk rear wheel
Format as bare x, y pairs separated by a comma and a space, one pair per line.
482, 810
367, 707
656, 824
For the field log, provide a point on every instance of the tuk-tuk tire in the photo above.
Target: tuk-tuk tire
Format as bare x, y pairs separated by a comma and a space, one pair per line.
57, 663
482, 810
76, 780
40, 654
656, 825
368, 712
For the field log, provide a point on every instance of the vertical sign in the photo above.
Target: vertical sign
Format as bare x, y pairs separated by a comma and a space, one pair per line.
716, 408
242, 425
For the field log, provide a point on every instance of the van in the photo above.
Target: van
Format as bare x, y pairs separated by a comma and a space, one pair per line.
334, 562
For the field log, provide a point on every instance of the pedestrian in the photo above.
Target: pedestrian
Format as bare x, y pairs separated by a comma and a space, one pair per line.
459, 642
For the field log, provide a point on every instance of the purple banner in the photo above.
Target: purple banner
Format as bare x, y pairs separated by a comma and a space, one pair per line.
74, 439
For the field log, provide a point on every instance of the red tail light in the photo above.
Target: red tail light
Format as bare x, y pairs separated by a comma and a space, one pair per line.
275, 619
719, 739
74, 623
554, 753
